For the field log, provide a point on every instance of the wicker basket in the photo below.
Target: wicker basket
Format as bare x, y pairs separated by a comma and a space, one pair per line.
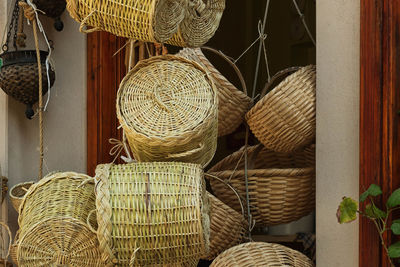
19, 76
17, 194
52, 221
152, 214
52, 9
4, 187
281, 186
4, 257
151, 20
261, 254
232, 103
227, 229
167, 107
284, 120
14, 249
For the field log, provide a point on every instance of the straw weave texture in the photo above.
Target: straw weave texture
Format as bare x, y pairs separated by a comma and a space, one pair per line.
261, 255
17, 194
152, 214
227, 229
232, 103
284, 120
168, 108
53, 229
281, 186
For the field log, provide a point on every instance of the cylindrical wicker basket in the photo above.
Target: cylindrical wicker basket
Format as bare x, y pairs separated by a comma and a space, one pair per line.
152, 214
178, 22
281, 186
168, 108
232, 103
14, 249
284, 119
227, 229
17, 194
261, 254
52, 221
4, 187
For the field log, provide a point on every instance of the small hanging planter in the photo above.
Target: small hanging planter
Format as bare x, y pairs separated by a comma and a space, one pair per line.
19, 77
52, 9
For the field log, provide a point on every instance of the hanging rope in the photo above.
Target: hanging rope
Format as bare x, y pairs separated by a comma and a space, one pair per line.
302, 17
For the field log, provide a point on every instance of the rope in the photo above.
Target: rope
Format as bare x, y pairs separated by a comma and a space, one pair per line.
302, 17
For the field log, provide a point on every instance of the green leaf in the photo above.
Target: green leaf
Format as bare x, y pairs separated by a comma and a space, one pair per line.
394, 250
373, 190
1, 62
396, 227
373, 211
394, 199
347, 211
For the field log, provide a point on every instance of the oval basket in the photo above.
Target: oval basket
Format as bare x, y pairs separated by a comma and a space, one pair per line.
227, 228
232, 103
152, 214
52, 221
261, 254
178, 22
168, 108
17, 194
19, 76
284, 119
281, 186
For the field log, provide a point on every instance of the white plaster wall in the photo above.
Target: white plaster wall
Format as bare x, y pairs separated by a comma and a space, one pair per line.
337, 128
65, 119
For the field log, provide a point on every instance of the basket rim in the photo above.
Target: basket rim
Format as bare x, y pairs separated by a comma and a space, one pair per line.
270, 172
11, 57
30, 183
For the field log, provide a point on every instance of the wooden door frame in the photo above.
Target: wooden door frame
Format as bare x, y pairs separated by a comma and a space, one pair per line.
379, 105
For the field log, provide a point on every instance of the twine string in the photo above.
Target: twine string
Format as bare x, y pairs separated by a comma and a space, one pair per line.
303, 19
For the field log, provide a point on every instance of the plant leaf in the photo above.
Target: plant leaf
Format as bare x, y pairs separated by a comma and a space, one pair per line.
373, 211
373, 190
394, 250
394, 199
347, 211
396, 227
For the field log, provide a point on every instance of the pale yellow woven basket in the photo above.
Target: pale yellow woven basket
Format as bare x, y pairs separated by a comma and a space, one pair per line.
281, 185
17, 194
232, 103
168, 108
260, 254
152, 214
52, 221
284, 119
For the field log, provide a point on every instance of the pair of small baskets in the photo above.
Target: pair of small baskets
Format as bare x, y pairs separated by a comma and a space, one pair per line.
178, 22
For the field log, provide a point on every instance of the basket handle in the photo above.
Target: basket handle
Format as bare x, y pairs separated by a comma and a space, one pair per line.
277, 76
89, 225
84, 21
187, 153
4, 225
227, 59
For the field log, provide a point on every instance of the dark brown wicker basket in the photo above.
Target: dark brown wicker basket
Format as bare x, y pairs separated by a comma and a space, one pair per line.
52, 9
19, 76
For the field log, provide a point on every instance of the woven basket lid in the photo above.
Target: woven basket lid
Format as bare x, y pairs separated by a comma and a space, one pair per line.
165, 97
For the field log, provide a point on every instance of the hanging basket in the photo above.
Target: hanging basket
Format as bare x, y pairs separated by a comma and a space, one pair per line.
281, 186
14, 249
17, 194
4, 257
261, 254
19, 76
284, 119
52, 9
4, 187
151, 20
232, 103
168, 108
152, 214
227, 229
52, 221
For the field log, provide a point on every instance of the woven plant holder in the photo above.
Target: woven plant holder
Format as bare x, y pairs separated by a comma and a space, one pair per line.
261, 254
17, 194
232, 103
14, 249
284, 119
4, 187
227, 229
152, 214
52, 221
281, 186
168, 108
19, 76
52, 9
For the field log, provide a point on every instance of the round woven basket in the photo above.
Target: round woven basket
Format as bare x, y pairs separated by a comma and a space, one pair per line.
5, 247
281, 186
261, 254
4, 187
168, 108
227, 229
17, 194
52, 221
232, 103
14, 249
51, 8
19, 76
152, 214
178, 22
284, 119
